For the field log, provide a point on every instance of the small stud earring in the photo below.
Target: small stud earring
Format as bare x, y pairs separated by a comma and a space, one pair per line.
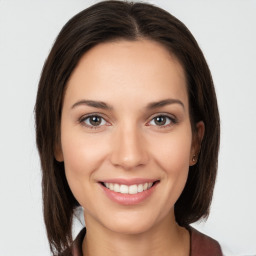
194, 158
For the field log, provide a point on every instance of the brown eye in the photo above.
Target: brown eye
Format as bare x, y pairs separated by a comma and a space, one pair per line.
162, 120
94, 121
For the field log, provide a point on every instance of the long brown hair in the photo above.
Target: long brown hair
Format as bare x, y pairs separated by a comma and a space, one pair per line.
109, 21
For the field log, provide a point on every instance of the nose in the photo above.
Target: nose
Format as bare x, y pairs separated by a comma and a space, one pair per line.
129, 148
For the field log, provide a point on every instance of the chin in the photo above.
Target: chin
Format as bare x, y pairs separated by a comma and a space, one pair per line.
130, 224
130, 229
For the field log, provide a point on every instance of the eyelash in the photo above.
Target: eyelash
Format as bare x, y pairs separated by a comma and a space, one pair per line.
172, 121
84, 118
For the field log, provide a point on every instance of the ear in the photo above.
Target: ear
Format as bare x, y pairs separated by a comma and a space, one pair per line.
58, 154
196, 143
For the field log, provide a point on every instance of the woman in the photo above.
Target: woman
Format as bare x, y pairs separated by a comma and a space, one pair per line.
127, 127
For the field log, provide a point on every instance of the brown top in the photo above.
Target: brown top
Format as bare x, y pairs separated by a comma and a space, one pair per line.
200, 244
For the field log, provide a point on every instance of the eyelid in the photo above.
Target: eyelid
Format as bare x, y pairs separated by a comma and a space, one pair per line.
84, 117
172, 118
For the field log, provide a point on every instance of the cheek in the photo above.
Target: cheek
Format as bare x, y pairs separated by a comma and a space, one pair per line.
82, 154
173, 151
172, 154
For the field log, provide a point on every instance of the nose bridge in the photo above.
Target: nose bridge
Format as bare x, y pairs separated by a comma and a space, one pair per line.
128, 149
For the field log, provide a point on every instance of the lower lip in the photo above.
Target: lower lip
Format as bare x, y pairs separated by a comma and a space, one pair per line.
128, 199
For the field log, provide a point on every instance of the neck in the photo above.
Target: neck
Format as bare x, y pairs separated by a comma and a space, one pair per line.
166, 238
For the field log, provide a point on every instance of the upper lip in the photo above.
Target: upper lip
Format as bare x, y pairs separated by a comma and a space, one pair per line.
134, 181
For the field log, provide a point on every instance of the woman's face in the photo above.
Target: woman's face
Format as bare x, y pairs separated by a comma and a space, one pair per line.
126, 138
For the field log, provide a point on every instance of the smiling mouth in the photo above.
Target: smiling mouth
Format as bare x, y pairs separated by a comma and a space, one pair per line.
129, 189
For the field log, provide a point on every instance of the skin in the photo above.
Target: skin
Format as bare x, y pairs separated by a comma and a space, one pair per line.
128, 143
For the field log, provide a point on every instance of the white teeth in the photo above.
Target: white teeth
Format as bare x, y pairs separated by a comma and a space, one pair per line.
132, 189
124, 189
116, 188
140, 188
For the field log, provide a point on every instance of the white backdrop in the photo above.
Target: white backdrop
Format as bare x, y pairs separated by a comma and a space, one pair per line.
226, 32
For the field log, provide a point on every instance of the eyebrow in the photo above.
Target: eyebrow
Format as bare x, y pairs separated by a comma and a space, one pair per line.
163, 103
105, 106
92, 103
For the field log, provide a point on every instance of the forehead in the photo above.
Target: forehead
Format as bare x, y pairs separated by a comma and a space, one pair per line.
142, 69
